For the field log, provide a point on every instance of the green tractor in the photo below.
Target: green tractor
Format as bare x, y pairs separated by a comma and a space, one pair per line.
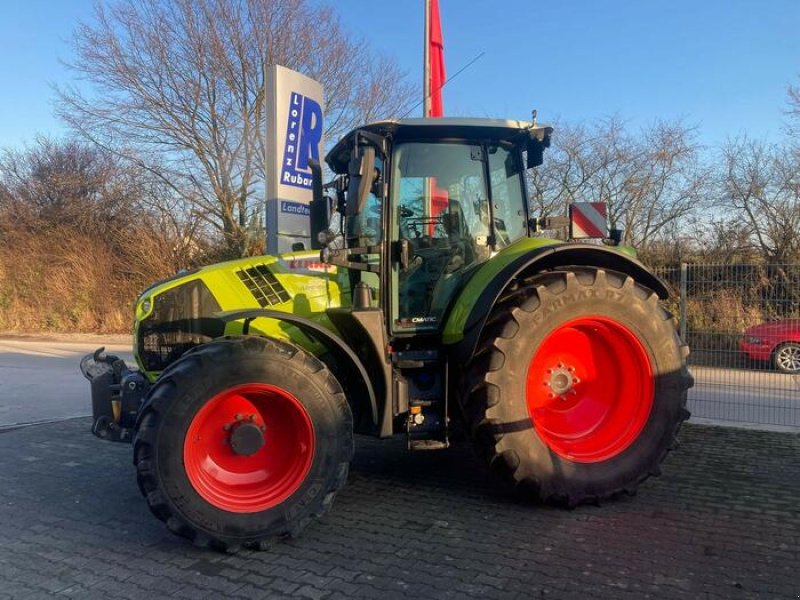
432, 307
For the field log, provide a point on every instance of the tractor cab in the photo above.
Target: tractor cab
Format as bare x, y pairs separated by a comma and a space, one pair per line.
421, 203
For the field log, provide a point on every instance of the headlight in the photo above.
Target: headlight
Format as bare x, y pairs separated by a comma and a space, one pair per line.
751, 339
143, 308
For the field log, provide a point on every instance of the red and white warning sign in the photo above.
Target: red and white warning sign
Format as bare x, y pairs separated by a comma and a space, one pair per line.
588, 220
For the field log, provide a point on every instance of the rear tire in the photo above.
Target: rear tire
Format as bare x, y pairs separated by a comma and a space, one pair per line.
242, 440
578, 386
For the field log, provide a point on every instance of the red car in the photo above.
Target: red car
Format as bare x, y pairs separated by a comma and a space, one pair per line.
776, 341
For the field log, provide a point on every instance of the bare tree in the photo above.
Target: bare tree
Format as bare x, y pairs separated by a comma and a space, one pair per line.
79, 237
760, 183
652, 181
71, 186
183, 82
793, 110
56, 182
568, 168
666, 184
722, 239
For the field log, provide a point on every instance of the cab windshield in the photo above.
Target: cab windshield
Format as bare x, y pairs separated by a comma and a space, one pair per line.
456, 204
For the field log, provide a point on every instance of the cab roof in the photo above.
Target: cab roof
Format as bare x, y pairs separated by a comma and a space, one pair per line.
446, 128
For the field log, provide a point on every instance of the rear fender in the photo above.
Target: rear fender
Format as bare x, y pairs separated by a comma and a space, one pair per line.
465, 324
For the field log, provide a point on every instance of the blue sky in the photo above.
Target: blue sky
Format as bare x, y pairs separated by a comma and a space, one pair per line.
722, 65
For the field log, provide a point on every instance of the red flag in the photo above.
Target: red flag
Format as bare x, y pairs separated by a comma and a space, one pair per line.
439, 200
436, 57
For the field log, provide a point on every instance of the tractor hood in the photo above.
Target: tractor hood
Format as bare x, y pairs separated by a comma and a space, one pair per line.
181, 312
265, 277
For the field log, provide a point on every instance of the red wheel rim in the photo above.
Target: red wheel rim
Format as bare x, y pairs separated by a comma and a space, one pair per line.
590, 389
272, 472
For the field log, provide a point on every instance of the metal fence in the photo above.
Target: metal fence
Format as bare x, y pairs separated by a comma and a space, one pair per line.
741, 323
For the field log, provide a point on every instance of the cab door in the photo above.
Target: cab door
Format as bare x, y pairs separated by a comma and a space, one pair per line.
440, 215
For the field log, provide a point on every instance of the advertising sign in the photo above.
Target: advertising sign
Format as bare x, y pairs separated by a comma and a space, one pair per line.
294, 135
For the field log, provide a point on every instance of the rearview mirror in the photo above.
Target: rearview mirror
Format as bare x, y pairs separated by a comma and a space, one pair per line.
363, 171
535, 153
319, 204
537, 142
367, 176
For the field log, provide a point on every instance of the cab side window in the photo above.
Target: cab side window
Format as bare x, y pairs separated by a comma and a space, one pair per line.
509, 213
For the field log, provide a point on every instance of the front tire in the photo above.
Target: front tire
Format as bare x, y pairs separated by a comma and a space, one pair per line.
578, 387
243, 440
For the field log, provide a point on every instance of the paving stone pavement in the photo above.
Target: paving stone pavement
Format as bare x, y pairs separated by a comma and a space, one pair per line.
722, 522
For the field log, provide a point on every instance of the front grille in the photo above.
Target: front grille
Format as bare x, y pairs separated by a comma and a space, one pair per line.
266, 289
182, 318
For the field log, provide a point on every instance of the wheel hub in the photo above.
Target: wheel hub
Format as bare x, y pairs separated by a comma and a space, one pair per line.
562, 380
247, 438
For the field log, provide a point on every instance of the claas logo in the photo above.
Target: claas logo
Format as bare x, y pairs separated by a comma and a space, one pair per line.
306, 266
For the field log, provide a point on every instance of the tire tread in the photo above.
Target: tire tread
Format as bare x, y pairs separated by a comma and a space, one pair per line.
527, 295
167, 390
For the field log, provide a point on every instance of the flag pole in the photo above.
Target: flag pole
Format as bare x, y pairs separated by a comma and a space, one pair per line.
426, 69
426, 95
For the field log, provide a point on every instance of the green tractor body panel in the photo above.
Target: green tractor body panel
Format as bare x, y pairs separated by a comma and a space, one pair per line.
474, 289
296, 283
531, 256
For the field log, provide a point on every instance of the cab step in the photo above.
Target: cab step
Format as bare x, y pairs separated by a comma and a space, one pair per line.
428, 444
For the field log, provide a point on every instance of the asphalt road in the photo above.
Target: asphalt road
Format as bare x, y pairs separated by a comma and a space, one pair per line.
760, 398
40, 380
